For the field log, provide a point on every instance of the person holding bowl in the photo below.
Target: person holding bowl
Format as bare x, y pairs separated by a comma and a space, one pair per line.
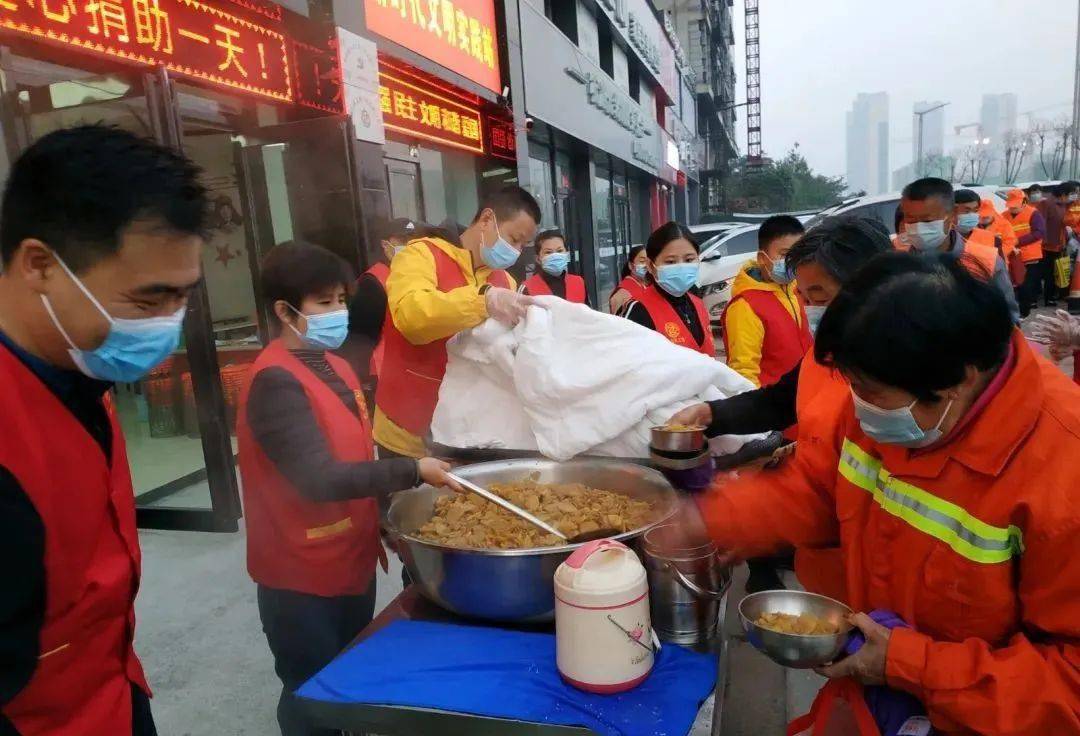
933, 477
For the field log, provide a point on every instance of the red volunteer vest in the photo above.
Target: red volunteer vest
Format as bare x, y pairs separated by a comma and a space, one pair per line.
575, 287
86, 665
381, 272
669, 324
409, 388
785, 340
633, 287
327, 549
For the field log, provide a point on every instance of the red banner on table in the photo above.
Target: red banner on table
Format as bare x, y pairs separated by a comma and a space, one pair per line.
417, 109
458, 34
188, 37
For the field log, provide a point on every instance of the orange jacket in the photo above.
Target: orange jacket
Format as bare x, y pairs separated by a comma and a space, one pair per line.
976, 544
819, 569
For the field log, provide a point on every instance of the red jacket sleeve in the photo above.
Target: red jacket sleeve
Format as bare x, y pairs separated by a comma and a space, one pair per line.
1029, 686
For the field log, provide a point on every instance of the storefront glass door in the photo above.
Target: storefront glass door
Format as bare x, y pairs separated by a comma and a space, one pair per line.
403, 181
607, 262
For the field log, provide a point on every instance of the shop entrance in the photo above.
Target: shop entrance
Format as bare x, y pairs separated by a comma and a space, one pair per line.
268, 182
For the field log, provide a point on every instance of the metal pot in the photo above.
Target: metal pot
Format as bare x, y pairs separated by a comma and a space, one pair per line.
687, 584
678, 440
513, 585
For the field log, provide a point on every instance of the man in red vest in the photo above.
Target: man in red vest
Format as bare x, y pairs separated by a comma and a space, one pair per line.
765, 330
101, 240
440, 285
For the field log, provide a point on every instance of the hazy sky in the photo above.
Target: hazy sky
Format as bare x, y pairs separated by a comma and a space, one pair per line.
817, 54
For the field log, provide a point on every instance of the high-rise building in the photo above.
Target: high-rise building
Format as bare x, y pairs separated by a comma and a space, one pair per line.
933, 129
705, 30
997, 116
868, 143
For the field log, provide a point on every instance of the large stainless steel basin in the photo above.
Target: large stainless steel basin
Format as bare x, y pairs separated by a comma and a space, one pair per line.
510, 585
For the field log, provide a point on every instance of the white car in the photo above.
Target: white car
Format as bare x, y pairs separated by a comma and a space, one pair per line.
883, 206
712, 229
722, 256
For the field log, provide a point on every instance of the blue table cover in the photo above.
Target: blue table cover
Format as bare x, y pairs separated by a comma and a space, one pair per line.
508, 674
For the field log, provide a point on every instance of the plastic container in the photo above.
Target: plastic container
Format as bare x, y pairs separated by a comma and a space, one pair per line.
603, 635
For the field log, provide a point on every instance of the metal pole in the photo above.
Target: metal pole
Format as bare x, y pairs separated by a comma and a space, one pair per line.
918, 156
1076, 100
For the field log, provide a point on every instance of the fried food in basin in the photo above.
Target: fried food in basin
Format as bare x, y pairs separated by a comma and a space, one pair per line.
803, 624
468, 521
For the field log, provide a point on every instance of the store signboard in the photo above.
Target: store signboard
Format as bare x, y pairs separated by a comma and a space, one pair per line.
501, 140
187, 37
417, 109
458, 34
360, 83
636, 22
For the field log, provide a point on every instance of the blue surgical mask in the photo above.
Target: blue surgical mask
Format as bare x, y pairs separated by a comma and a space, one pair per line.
132, 347
324, 331
640, 271
967, 222
925, 236
896, 426
780, 273
677, 278
814, 313
501, 255
555, 263
1035, 197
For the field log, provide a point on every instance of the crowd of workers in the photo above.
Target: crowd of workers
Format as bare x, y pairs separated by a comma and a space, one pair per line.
931, 477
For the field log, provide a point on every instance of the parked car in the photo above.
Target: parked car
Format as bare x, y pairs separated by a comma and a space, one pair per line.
706, 231
721, 258
883, 206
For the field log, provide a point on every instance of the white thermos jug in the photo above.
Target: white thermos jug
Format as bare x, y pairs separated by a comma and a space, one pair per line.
603, 637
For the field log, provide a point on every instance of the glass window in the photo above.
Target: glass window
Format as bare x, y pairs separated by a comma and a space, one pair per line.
620, 70
606, 255
540, 185
588, 33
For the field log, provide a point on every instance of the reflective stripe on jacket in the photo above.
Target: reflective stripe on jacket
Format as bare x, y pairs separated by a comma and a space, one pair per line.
975, 543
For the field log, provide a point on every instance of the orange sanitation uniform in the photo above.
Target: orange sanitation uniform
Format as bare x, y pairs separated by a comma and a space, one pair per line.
975, 543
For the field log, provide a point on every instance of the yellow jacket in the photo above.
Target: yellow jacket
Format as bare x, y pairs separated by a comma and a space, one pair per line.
744, 332
424, 314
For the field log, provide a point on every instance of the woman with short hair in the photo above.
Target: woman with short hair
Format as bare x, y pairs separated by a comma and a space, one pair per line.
310, 478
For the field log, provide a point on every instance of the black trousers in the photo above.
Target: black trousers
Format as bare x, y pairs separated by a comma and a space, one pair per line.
305, 632
1027, 295
142, 720
1049, 288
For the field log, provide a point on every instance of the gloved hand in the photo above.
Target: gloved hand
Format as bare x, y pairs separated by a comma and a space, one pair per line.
507, 306
1061, 331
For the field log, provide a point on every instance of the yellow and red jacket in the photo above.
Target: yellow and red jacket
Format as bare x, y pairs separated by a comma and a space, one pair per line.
975, 543
433, 293
765, 328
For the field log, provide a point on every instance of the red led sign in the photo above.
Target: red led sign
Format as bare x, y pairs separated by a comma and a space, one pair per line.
410, 107
186, 36
458, 34
501, 140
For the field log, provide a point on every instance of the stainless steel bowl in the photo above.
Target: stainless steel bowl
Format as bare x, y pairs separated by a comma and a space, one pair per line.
677, 440
513, 585
795, 650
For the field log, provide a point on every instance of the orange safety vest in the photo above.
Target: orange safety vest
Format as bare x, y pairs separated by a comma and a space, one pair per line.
979, 258
409, 388
575, 287
786, 341
668, 323
86, 663
1021, 225
381, 272
320, 548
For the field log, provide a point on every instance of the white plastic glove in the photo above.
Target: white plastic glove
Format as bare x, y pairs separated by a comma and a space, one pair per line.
1061, 331
507, 306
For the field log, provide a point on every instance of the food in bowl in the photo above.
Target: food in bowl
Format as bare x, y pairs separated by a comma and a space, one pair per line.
682, 428
803, 624
468, 521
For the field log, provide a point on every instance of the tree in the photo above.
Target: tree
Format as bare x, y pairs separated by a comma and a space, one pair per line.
939, 165
781, 186
1055, 141
1016, 148
974, 163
